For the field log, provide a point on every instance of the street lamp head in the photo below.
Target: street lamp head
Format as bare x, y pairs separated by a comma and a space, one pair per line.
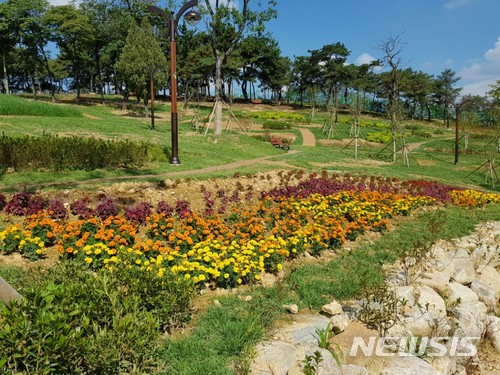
192, 17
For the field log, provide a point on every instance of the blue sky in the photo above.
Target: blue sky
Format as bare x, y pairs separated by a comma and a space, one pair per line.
462, 35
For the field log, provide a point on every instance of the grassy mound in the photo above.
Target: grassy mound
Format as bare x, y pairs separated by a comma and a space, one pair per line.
15, 106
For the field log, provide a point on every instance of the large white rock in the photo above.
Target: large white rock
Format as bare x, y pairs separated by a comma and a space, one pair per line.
435, 279
332, 308
454, 265
424, 323
471, 318
427, 317
490, 276
485, 293
444, 365
493, 331
456, 292
340, 322
441, 260
409, 366
328, 366
428, 299
273, 358
463, 271
486, 255
406, 294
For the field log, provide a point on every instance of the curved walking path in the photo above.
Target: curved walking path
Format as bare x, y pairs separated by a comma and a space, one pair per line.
190, 172
308, 138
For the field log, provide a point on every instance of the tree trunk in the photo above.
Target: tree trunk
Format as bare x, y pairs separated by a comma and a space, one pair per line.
117, 84
32, 84
5, 76
244, 85
394, 147
336, 104
218, 97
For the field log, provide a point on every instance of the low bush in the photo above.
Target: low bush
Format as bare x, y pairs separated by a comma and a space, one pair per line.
275, 125
76, 321
274, 115
70, 153
380, 137
374, 124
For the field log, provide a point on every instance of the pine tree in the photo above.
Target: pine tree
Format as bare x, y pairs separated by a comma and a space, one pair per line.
142, 57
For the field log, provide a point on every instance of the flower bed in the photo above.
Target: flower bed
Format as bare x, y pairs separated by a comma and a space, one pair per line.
234, 244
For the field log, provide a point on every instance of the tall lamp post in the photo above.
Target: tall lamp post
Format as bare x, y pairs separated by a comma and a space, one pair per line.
192, 17
457, 124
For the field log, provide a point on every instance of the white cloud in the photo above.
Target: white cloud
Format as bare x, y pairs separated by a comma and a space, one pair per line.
480, 75
450, 5
61, 2
227, 3
364, 58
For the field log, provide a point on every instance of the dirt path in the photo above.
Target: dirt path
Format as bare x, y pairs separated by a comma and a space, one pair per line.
309, 140
215, 168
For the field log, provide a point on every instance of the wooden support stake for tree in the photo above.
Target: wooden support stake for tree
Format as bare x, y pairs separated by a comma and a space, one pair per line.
8, 293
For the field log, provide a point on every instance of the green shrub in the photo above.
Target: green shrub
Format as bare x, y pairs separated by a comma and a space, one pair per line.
70, 153
14, 106
275, 125
380, 137
275, 115
374, 124
75, 321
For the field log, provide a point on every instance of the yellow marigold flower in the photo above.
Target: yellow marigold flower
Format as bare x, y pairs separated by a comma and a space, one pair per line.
138, 261
88, 260
226, 276
187, 276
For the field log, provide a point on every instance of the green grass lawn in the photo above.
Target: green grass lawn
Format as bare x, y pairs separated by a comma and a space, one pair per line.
222, 337
432, 159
